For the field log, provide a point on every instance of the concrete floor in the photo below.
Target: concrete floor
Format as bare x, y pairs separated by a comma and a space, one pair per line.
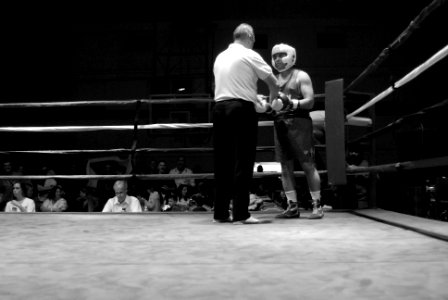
186, 256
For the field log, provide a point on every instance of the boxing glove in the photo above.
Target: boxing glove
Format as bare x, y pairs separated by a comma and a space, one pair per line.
282, 103
261, 105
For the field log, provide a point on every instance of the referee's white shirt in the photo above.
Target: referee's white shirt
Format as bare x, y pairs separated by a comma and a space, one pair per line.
237, 70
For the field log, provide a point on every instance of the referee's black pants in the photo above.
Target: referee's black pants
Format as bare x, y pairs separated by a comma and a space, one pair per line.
235, 127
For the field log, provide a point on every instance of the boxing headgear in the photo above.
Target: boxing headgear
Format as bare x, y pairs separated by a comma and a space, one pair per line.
287, 61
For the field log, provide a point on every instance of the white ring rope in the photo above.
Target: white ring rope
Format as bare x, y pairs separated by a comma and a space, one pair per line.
112, 102
423, 67
143, 176
415, 24
123, 150
100, 128
399, 121
407, 78
102, 102
114, 127
393, 167
358, 121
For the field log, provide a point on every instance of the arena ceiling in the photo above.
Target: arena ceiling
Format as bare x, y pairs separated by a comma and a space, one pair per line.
197, 11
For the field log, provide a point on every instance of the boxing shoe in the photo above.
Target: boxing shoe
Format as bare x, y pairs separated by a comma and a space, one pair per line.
291, 212
327, 208
251, 221
317, 213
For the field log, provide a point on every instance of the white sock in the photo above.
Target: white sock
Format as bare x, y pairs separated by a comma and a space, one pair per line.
291, 196
316, 197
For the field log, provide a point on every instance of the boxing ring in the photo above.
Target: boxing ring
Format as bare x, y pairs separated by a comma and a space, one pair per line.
350, 254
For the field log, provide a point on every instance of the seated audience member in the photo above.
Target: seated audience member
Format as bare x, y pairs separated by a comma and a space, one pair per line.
6, 184
20, 170
55, 201
43, 193
168, 199
163, 183
183, 170
359, 182
30, 190
137, 188
142, 201
108, 165
203, 196
183, 197
47, 186
197, 204
162, 167
152, 167
3, 199
122, 202
85, 202
153, 202
50, 182
259, 197
20, 203
77, 204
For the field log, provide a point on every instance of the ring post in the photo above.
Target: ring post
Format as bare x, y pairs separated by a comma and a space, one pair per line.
334, 132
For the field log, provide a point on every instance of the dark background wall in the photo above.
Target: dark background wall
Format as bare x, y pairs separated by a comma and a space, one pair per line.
95, 51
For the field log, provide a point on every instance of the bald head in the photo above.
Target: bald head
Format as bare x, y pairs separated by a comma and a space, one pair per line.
244, 34
120, 188
121, 184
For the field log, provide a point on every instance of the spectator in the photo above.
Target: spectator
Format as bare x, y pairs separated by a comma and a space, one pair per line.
122, 202
6, 183
153, 167
55, 201
153, 203
30, 190
184, 197
20, 203
162, 167
197, 204
109, 165
163, 186
141, 192
359, 182
77, 203
203, 196
50, 182
42, 195
258, 196
85, 202
183, 170
3, 200
167, 199
19, 170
